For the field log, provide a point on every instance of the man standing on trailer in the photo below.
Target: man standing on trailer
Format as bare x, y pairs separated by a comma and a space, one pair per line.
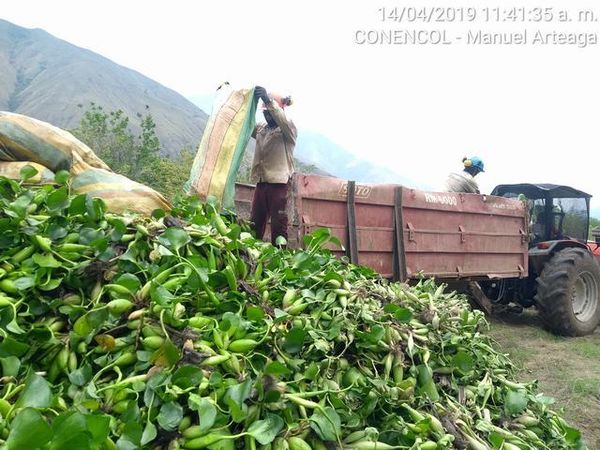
273, 165
465, 180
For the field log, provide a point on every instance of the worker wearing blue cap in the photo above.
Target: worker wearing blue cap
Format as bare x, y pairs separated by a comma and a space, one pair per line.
465, 180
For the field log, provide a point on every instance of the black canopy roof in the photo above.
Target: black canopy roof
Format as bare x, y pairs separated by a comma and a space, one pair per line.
539, 191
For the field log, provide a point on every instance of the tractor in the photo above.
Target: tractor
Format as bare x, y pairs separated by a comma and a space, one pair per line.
564, 271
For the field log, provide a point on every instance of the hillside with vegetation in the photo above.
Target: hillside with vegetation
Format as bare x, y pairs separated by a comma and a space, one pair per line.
52, 80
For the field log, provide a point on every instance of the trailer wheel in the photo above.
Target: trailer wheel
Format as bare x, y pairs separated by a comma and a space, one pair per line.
567, 293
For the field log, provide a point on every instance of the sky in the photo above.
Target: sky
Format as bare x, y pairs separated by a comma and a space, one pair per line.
529, 111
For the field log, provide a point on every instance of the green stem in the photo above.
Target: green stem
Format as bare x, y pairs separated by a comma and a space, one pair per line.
124, 382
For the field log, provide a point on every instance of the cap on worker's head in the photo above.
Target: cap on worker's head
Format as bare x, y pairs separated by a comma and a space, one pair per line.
473, 161
281, 100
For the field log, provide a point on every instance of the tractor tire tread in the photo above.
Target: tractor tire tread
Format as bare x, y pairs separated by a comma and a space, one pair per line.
553, 297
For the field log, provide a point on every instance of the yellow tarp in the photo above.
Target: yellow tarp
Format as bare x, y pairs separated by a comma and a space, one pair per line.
26, 140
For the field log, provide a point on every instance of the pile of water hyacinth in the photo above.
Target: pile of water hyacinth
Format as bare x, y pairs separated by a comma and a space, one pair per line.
183, 331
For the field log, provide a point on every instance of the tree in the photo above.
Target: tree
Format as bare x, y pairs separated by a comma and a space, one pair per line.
109, 135
171, 174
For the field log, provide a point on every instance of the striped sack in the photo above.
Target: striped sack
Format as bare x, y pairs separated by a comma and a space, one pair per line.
222, 146
23, 138
118, 192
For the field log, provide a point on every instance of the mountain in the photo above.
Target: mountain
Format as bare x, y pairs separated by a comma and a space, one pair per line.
47, 78
314, 148
318, 154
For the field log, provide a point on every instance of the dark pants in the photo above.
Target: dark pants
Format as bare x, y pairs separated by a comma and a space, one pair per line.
270, 202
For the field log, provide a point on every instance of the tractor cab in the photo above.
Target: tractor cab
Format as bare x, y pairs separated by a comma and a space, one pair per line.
564, 276
556, 213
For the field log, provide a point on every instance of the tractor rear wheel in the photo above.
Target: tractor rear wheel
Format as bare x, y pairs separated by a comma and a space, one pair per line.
568, 291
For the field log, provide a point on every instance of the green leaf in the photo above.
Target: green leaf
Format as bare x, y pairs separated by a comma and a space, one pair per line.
10, 366
28, 172
276, 368
99, 427
544, 399
28, 431
187, 376
376, 334
301, 261
403, 315
164, 251
69, 431
119, 229
161, 296
229, 444
59, 199
36, 393
572, 435
311, 371
170, 415
77, 206
280, 314
174, 238
496, 440
515, 402
88, 236
463, 361
14, 327
88, 324
390, 308
129, 281
81, 376
40, 334
264, 431
294, 340
229, 320
47, 260
158, 213
11, 347
51, 284
19, 206
95, 208
56, 232
235, 397
255, 314
280, 240
206, 411
166, 356
61, 177
335, 241
149, 433
326, 424
131, 436
80, 441
132, 413
272, 396
25, 282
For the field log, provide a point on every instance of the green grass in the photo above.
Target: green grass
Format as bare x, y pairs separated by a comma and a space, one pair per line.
587, 349
567, 369
587, 387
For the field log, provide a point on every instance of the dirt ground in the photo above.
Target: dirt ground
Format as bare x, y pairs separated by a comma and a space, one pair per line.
567, 369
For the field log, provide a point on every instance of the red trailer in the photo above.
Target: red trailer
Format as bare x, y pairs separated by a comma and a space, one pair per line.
404, 233
482, 244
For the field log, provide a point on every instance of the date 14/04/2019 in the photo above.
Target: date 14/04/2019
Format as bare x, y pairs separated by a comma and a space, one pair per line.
472, 14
